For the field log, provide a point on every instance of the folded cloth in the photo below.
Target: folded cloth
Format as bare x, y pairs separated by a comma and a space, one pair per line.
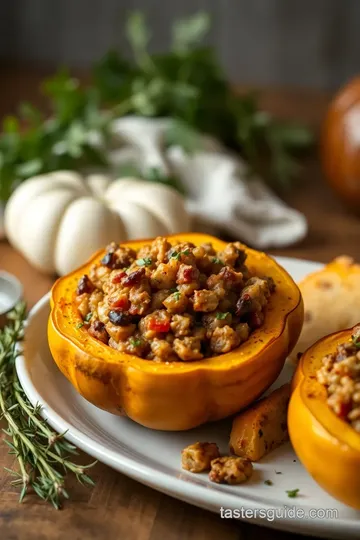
220, 194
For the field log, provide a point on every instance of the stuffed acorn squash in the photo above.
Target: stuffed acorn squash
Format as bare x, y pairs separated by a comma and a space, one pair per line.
321, 420
206, 375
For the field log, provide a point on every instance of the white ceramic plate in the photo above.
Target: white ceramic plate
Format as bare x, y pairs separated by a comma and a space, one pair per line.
153, 457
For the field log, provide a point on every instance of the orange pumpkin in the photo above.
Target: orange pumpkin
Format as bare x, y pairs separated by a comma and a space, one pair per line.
176, 395
340, 145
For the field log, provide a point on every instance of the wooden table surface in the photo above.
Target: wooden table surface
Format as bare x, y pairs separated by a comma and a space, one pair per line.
119, 507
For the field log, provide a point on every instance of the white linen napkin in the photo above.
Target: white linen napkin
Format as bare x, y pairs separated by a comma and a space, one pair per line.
219, 193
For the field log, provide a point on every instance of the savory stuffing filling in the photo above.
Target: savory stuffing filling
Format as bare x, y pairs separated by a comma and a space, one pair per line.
340, 373
205, 456
197, 457
172, 302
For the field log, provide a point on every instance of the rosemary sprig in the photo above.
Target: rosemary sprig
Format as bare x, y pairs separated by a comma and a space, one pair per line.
43, 456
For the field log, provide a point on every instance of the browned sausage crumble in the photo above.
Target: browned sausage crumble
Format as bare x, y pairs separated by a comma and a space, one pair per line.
197, 457
172, 302
340, 373
230, 470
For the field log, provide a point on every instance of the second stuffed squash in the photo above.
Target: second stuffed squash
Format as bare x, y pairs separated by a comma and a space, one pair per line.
323, 418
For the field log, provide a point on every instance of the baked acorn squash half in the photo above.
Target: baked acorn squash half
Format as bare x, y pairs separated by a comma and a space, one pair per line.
176, 395
327, 446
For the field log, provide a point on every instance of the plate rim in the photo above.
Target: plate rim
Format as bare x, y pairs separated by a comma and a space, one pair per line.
178, 488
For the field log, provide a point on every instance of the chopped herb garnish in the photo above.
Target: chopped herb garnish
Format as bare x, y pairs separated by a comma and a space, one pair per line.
278, 472
79, 325
176, 295
144, 262
268, 482
177, 254
221, 316
174, 289
88, 317
292, 493
215, 260
135, 342
356, 341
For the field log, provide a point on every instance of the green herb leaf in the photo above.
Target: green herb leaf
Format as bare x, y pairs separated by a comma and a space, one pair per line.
292, 493
128, 170
177, 295
221, 316
355, 339
137, 31
182, 134
215, 260
175, 255
80, 325
187, 33
87, 317
135, 342
268, 482
144, 262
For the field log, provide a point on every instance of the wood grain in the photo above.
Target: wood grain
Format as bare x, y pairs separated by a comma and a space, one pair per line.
119, 507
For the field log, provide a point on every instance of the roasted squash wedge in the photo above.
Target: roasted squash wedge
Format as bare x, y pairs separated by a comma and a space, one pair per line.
328, 447
262, 427
176, 395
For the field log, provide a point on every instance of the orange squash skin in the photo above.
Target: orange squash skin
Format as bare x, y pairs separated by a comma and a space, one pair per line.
328, 447
177, 395
340, 144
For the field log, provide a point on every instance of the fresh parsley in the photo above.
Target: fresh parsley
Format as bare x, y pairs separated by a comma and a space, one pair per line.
144, 262
222, 316
80, 325
215, 260
87, 317
268, 482
177, 254
177, 295
356, 340
135, 342
292, 493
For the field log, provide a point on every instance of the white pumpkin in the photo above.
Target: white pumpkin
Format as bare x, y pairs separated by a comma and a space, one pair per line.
58, 220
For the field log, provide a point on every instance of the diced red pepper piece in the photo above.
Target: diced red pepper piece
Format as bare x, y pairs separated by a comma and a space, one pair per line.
187, 274
159, 326
118, 277
122, 303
